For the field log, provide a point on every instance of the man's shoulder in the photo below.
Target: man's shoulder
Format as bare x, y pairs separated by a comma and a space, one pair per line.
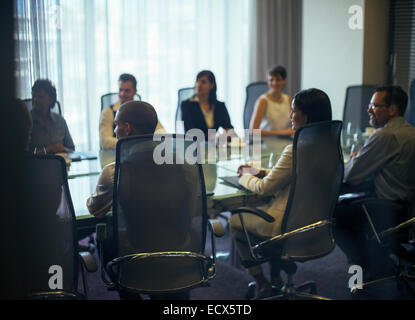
108, 172
107, 112
397, 128
383, 133
109, 167
56, 117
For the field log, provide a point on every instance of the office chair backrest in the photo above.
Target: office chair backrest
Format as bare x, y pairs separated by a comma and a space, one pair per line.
182, 94
158, 208
110, 98
356, 104
56, 108
317, 177
253, 91
46, 231
410, 113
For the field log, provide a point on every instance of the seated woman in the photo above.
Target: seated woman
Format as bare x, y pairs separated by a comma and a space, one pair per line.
308, 106
272, 109
203, 111
49, 130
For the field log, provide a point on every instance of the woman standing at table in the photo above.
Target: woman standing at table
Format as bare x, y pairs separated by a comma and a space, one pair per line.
203, 111
49, 130
308, 106
272, 109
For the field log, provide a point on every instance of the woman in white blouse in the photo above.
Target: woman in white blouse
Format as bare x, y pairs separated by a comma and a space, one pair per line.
272, 110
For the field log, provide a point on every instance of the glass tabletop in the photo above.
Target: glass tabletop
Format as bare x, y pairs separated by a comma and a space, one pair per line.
83, 175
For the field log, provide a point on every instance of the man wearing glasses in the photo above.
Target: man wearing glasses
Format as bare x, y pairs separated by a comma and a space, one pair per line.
385, 168
385, 158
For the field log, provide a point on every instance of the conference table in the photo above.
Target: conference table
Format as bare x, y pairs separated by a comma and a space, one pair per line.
83, 177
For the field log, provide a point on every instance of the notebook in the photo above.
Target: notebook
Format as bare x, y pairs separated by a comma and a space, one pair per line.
233, 181
82, 155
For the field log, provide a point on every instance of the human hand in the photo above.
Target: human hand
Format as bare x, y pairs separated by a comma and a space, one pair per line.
353, 155
290, 132
247, 169
285, 133
261, 174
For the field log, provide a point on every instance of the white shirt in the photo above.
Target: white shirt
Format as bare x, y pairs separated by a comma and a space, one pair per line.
277, 114
106, 127
277, 184
100, 202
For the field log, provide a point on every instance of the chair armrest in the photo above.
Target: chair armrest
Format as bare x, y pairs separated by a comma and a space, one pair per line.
293, 233
216, 227
350, 197
88, 261
101, 236
101, 231
406, 224
56, 295
256, 211
376, 201
367, 202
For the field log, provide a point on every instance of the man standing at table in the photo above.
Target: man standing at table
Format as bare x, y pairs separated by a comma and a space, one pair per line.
386, 164
127, 90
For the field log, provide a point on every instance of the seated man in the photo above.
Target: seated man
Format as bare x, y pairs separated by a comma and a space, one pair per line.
132, 118
386, 162
127, 90
50, 130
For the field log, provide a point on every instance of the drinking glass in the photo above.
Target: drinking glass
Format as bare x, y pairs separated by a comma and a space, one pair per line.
40, 150
271, 160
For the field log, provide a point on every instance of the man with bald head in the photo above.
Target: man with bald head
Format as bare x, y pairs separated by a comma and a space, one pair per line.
133, 118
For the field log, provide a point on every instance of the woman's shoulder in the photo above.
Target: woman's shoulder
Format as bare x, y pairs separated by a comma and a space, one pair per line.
189, 102
263, 98
286, 97
219, 103
288, 148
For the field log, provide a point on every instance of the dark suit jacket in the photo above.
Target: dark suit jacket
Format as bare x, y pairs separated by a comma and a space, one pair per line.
193, 117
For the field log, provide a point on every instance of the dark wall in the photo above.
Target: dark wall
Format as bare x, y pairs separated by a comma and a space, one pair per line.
9, 273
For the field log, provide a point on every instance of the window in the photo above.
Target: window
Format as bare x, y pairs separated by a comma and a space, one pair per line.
83, 46
402, 43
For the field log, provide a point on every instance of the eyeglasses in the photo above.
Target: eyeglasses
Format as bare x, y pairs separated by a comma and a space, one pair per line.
373, 105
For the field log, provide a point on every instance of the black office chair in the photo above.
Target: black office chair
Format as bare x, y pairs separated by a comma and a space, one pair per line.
159, 220
356, 105
253, 91
410, 114
182, 94
50, 260
306, 227
110, 98
56, 108
386, 230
